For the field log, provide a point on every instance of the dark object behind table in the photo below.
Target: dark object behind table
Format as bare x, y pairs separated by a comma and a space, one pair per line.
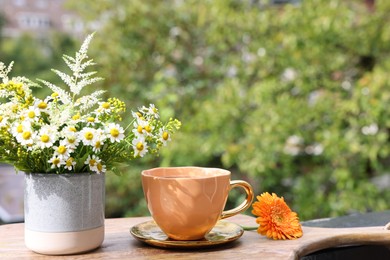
377, 252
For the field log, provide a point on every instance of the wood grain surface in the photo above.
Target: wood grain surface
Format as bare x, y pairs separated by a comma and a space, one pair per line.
119, 244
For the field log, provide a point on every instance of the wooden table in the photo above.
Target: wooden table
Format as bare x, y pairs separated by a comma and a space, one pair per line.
119, 244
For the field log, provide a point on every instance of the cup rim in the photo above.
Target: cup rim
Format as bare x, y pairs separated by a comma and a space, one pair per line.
218, 172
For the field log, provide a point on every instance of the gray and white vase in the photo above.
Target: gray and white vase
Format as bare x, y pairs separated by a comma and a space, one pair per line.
64, 213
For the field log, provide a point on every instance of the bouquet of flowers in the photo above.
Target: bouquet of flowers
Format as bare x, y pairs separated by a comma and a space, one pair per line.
68, 132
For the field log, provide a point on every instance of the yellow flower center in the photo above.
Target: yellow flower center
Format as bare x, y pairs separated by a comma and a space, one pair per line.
26, 135
56, 161
88, 136
45, 138
140, 146
72, 128
114, 132
76, 117
55, 94
99, 166
71, 140
31, 114
106, 105
61, 149
92, 162
165, 136
42, 105
139, 114
19, 129
148, 128
1, 118
69, 161
139, 129
91, 119
98, 144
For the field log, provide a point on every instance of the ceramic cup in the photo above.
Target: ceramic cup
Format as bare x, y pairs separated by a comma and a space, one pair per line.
187, 202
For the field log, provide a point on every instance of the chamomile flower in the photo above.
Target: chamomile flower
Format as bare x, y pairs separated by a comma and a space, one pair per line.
104, 108
56, 162
70, 163
31, 114
140, 146
24, 133
100, 168
46, 136
138, 127
27, 137
97, 146
148, 129
41, 105
92, 120
71, 137
164, 136
87, 135
115, 132
142, 128
76, 118
137, 115
69, 129
98, 142
62, 151
18, 127
153, 111
92, 162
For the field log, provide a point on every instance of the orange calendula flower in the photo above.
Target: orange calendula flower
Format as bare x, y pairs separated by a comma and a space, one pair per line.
276, 219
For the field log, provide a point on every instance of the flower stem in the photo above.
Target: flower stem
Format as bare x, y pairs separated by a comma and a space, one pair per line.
248, 228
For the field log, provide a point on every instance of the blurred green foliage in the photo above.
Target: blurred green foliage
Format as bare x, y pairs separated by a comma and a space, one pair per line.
292, 98
34, 57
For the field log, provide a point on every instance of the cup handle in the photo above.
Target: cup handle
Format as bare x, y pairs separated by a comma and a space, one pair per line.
244, 205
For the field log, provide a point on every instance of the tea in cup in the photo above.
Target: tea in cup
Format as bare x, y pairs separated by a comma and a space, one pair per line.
187, 202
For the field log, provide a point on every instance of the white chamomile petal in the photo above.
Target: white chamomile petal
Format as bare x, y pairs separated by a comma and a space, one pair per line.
56, 162
46, 136
140, 146
87, 135
115, 132
164, 136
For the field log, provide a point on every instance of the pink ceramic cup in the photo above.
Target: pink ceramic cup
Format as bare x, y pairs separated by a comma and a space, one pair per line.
187, 202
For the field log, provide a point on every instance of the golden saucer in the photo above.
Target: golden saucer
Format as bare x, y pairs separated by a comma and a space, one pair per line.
223, 232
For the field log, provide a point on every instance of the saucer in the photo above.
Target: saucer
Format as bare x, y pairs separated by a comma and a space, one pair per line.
222, 233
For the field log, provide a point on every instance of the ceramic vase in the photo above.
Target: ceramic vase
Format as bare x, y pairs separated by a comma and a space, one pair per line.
64, 213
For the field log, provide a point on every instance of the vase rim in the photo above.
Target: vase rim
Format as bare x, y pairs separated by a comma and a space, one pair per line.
62, 174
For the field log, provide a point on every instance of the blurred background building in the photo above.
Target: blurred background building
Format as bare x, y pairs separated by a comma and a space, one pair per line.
38, 18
